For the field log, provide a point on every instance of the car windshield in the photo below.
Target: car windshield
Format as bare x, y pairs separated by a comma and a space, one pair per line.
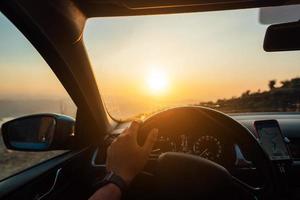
216, 59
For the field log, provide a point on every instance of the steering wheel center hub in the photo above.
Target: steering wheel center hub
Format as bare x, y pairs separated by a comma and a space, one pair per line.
183, 174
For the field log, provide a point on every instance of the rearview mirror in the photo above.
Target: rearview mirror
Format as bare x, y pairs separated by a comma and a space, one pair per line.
282, 37
38, 132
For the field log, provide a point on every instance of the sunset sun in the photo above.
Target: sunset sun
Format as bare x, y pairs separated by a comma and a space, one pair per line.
157, 81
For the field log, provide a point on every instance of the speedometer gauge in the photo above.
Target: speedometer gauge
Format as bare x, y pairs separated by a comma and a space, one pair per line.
208, 147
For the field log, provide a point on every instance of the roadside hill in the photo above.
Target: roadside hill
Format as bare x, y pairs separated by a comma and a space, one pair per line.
283, 98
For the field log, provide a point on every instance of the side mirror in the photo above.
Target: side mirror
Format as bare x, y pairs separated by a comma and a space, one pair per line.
282, 37
39, 132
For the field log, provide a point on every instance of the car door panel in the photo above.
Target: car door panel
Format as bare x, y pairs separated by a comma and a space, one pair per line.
54, 179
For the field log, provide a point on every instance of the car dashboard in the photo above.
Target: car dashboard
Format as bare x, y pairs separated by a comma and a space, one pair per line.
289, 168
289, 125
208, 143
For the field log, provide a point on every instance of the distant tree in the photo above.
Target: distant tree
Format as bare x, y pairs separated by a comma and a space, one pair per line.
246, 94
272, 84
285, 83
295, 83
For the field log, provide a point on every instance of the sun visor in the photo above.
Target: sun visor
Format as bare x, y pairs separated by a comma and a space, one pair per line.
281, 14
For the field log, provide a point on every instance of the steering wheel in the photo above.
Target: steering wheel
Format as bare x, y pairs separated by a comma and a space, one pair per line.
185, 176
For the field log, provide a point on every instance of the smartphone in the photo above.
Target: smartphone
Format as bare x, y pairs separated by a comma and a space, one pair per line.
272, 139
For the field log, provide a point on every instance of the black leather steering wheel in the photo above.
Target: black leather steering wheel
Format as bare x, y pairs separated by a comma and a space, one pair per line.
184, 176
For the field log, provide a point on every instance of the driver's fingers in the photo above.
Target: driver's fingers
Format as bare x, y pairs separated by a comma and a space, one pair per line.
151, 139
134, 129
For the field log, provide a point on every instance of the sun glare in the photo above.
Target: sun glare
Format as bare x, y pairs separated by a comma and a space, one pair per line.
157, 81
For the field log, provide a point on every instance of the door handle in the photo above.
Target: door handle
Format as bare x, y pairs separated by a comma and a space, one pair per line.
57, 175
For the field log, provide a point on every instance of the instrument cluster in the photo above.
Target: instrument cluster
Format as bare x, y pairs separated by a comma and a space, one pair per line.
206, 146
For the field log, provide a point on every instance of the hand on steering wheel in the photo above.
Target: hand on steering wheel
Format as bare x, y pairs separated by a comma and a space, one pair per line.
125, 157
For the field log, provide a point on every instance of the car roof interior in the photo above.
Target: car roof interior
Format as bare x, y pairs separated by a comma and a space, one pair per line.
136, 7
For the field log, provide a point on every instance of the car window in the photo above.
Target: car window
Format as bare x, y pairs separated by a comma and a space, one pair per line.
27, 86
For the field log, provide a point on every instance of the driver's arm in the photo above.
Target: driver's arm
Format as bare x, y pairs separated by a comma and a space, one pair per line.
126, 159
